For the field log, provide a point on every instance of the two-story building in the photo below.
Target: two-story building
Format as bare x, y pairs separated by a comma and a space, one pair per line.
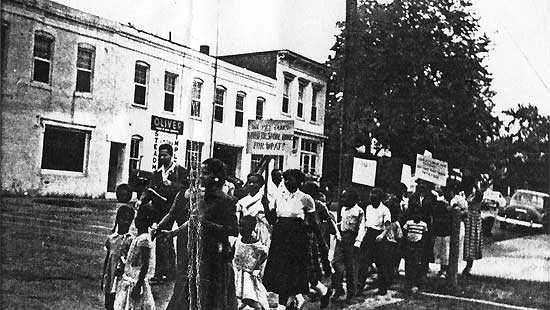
85, 101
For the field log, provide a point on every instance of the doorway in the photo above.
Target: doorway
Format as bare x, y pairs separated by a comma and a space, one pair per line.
116, 161
231, 157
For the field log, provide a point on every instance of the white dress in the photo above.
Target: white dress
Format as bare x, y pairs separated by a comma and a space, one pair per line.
123, 300
248, 282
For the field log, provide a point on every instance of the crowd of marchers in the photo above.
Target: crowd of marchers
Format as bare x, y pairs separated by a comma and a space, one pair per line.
237, 246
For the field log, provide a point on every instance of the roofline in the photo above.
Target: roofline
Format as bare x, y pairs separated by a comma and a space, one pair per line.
278, 51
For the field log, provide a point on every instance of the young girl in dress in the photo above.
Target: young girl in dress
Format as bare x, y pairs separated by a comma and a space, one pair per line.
250, 254
117, 245
134, 291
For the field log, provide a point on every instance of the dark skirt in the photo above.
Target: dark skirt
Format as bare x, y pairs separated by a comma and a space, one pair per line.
288, 258
314, 271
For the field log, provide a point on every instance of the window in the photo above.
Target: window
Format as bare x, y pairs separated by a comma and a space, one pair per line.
260, 108
193, 155
295, 143
286, 94
84, 68
169, 90
196, 98
135, 151
279, 162
43, 51
239, 109
141, 78
301, 90
4, 45
255, 162
314, 105
64, 149
218, 104
308, 156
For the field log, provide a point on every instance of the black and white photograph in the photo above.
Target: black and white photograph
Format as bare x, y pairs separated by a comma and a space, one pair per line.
275, 154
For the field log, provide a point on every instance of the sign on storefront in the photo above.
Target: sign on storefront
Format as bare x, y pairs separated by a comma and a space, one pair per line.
270, 137
431, 170
166, 125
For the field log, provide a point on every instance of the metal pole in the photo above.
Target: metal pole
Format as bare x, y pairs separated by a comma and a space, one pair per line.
211, 153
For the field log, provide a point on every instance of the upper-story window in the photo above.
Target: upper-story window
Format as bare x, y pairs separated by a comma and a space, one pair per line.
300, 106
196, 98
141, 80
218, 104
239, 109
315, 97
43, 55
286, 94
84, 68
260, 108
169, 91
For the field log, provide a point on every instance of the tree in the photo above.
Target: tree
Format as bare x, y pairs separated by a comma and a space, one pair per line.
522, 153
419, 83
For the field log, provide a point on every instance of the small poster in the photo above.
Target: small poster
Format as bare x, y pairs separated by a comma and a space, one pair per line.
270, 137
364, 171
431, 170
406, 175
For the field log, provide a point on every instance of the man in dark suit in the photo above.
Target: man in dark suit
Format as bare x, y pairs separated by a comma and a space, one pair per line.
168, 180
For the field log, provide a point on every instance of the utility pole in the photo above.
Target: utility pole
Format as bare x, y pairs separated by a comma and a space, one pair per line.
349, 91
211, 153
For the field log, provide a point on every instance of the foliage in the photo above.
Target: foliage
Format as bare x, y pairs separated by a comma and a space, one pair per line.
522, 153
418, 83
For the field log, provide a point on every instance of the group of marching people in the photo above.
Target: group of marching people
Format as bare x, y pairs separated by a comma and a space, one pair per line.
236, 245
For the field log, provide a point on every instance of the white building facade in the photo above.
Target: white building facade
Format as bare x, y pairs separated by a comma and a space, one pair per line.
86, 101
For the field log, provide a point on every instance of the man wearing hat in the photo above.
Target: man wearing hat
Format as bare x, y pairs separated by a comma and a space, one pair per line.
167, 181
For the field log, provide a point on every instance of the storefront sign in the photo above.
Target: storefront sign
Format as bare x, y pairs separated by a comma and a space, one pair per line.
166, 125
431, 170
364, 171
270, 137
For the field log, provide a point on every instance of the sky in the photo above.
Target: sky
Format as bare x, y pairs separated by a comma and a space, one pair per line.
519, 57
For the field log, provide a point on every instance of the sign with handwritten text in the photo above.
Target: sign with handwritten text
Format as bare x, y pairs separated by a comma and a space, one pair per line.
270, 137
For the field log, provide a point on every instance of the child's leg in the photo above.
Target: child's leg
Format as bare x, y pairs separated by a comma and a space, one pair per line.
110, 301
351, 264
338, 264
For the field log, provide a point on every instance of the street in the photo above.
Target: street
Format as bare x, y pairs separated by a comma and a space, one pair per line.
53, 252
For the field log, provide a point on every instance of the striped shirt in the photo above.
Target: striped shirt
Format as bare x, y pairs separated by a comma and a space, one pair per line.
415, 230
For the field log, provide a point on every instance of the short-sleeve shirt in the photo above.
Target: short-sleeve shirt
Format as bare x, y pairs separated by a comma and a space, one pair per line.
133, 264
294, 205
251, 205
376, 217
415, 230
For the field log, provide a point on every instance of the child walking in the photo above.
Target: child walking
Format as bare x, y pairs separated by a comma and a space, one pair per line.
134, 291
250, 254
414, 259
389, 248
116, 245
352, 231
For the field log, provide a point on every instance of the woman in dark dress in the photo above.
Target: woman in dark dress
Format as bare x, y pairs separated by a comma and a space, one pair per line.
210, 281
289, 253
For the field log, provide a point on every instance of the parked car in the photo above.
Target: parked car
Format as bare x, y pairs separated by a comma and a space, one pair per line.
526, 208
494, 198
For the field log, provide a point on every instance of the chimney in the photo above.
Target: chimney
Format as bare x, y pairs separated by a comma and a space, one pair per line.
205, 49
170, 36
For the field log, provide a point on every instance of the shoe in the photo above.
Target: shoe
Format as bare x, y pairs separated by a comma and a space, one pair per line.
325, 299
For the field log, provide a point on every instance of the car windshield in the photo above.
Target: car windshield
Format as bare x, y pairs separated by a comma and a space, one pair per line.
528, 199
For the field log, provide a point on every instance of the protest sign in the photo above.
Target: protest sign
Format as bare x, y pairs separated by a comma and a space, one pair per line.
406, 176
364, 171
270, 137
431, 170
